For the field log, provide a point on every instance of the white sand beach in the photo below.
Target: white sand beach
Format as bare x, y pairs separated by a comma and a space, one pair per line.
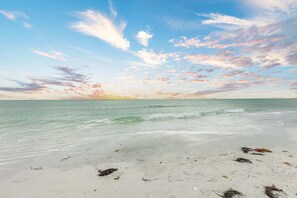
197, 173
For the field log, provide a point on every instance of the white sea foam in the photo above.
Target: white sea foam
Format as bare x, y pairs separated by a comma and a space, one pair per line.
234, 110
172, 116
280, 123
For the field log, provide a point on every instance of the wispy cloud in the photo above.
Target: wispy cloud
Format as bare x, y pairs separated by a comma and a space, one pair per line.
69, 84
138, 64
51, 54
216, 18
14, 15
96, 24
143, 37
233, 73
274, 5
230, 86
153, 58
224, 59
70, 74
222, 87
9, 15
112, 10
267, 46
195, 42
24, 87
27, 25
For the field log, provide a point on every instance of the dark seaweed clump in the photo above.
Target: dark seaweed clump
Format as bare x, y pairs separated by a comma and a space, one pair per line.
246, 149
243, 160
271, 191
231, 193
256, 151
106, 172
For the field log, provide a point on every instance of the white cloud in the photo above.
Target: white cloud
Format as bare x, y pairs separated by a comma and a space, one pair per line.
98, 25
152, 58
52, 54
143, 37
272, 11
13, 15
223, 59
216, 18
274, 5
267, 46
27, 25
9, 15
112, 9
190, 42
135, 64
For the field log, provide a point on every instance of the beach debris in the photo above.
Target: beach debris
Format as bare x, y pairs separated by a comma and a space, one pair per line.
290, 155
243, 160
106, 172
288, 163
273, 192
231, 193
116, 150
256, 151
116, 178
65, 158
148, 180
262, 150
36, 168
226, 177
246, 149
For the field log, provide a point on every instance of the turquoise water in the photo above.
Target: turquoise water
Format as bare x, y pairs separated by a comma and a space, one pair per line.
34, 130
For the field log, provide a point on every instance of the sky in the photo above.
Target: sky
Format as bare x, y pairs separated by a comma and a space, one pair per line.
148, 49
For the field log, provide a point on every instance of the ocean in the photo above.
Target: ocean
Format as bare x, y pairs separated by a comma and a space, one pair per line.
35, 133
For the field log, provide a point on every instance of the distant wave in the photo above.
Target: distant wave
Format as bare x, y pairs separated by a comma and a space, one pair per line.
235, 110
128, 119
162, 106
140, 107
160, 117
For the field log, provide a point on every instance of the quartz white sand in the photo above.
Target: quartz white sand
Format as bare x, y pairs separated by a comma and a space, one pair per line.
196, 173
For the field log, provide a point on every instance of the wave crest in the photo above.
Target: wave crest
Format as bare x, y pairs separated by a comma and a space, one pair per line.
162, 117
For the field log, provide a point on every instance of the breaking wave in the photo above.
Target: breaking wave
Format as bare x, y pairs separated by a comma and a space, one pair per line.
161, 117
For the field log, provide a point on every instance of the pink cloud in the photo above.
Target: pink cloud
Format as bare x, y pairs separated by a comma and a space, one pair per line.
223, 59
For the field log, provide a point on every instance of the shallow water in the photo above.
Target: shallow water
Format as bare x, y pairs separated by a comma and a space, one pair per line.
32, 132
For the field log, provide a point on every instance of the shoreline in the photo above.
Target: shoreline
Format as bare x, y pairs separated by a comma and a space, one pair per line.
57, 152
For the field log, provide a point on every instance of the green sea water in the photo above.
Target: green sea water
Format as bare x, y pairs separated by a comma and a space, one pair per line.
36, 130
